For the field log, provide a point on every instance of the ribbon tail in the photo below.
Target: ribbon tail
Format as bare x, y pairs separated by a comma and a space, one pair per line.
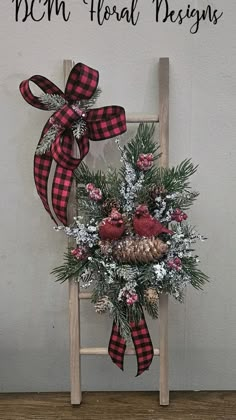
61, 191
117, 346
42, 166
143, 345
62, 152
63, 177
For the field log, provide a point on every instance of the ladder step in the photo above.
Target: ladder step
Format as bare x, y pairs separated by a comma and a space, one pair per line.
85, 295
136, 118
102, 351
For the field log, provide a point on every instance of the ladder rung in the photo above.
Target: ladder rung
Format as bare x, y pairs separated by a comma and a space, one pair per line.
136, 118
90, 351
85, 295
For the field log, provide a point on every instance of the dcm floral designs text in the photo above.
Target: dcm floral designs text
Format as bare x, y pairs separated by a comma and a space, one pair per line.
102, 11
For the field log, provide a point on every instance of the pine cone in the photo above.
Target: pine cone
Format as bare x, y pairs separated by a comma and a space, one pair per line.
102, 305
105, 247
138, 250
110, 204
151, 295
157, 191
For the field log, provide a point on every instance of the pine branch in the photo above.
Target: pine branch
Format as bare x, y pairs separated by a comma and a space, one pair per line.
135, 313
189, 231
70, 268
145, 276
108, 183
142, 143
121, 319
151, 180
87, 208
185, 201
144, 282
47, 140
79, 128
198, 278
151, 308
53, 102
113, 184
176, 179
84, 176
86, 104
99, 291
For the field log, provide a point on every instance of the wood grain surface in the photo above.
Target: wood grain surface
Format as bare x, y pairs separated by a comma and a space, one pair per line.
119, 406
163, 74
74, 302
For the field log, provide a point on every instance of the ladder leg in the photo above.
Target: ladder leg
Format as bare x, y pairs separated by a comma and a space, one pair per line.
74, 302
164, 161
163, 317
74, 321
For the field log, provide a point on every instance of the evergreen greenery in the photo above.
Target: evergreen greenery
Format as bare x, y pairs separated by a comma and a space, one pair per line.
47, 140
164, 191
54, 103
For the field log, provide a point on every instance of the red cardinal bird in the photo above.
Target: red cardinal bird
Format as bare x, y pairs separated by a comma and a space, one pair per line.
112, 227
146, 225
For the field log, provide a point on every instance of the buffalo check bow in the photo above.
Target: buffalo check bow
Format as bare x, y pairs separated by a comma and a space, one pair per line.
101, 123
142, 343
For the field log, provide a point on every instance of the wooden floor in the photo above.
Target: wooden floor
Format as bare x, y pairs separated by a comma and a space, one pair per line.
119, 406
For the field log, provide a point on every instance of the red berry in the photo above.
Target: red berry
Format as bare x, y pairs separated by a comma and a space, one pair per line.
89, 187
150, 157
177, 261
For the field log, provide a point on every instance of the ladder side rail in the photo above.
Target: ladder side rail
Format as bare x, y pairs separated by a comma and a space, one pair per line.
74, 302
164, 162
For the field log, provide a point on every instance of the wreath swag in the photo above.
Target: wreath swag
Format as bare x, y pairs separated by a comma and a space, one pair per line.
132, 234
133, 238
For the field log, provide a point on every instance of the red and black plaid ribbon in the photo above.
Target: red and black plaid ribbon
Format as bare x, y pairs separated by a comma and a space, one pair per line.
101, 123
142, 343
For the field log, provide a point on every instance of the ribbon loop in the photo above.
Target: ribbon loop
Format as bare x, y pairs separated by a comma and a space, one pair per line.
88, 82
101, 124
43, 83
106, 122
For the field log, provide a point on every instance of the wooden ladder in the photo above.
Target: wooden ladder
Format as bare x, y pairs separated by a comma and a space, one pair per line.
74, 291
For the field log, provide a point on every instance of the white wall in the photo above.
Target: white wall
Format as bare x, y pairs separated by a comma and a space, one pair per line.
33, 309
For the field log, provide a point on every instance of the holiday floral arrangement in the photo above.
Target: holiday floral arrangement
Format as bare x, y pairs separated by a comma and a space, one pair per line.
132, 237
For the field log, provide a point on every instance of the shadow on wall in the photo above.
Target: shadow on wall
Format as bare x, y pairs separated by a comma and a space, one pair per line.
105, 153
